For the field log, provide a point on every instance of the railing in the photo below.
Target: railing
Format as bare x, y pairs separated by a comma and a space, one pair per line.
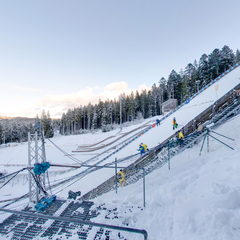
72, 220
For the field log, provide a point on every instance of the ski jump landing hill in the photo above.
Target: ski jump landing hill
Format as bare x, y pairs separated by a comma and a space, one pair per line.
188, 111
184, 114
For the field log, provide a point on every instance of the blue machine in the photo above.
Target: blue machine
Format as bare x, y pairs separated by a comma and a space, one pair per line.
40, 168
44, 203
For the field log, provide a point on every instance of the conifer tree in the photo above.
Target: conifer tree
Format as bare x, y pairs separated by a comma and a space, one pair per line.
47, 124
227, 58
214, 63
237, 56
204, 70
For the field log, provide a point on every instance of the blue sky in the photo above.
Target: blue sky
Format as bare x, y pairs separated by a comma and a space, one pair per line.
57, 54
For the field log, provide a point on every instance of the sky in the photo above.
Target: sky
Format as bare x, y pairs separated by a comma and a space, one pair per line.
60, 54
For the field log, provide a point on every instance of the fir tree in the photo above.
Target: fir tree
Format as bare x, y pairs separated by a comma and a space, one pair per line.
237, 56
214, 63
204, 70
227, 58
47, 124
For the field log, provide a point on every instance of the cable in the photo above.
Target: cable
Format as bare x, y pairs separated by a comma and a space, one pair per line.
65, 153
37, 181
16, 173
16, 199
49, 186
5, 176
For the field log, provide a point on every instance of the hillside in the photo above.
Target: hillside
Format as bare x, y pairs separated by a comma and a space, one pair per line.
199, 198
192, 201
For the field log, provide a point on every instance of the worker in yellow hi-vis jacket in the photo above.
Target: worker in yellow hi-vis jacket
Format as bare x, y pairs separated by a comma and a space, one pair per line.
145, 147
121, 177
180, 137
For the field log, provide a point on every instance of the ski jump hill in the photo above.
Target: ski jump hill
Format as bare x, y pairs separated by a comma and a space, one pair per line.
207, 101
188, 111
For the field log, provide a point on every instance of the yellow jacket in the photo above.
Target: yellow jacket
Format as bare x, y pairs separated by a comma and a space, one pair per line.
180, 135
121, 174
145, 147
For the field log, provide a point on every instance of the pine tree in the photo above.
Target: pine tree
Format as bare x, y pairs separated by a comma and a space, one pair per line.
214, 63
204, 70
237, 56
174, 85
132, 109
94, 119
47, 124
163, 94
227, 58
191, 76
155, 99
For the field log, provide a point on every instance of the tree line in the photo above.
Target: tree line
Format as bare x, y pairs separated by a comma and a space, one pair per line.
16, 129
148, 103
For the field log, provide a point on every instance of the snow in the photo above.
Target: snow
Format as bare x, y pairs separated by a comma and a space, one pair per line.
199, 198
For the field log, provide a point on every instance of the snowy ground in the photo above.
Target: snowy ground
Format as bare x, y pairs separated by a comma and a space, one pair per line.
100, 145
198, 199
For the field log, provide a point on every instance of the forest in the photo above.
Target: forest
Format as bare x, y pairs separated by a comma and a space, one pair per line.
16, 129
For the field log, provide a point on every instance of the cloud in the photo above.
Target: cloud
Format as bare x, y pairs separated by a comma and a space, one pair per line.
59, 103
11, 87
116, 86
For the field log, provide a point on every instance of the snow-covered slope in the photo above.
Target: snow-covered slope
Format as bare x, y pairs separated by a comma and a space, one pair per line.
199, 198
18, 154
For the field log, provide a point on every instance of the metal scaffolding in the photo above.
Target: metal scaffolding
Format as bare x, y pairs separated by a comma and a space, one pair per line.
36, 154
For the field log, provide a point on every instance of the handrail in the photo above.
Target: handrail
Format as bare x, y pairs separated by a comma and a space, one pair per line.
67, 219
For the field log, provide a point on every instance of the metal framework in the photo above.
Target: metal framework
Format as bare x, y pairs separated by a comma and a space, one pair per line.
36, 154
78, 221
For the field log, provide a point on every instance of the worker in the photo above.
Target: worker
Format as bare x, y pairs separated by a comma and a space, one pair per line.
121, 177
141, 149
145, 147
174, 123
180, 137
